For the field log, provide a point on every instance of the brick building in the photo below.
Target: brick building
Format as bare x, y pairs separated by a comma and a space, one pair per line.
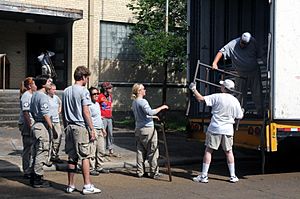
80, 32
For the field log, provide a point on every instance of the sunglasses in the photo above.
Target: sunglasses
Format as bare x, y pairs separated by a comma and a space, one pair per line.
95, 93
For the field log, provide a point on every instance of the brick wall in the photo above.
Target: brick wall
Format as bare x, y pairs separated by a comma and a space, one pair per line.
108, 10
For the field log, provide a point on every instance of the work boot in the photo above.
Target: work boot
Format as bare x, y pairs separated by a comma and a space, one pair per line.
31, 180
56, 160
94, 173
102, 170
26, 176
39, 182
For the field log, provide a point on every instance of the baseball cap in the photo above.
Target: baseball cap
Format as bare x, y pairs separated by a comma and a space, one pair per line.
245, 38
229, 84
106, 85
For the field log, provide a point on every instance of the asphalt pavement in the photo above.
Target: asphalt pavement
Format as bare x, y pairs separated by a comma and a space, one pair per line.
185, 157
181, 150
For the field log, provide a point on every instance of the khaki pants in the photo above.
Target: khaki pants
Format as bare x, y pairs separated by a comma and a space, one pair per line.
98, 151
27, 148
41, 147
147, 148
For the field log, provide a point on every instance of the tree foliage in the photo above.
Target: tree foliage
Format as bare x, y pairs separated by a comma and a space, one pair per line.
156, 47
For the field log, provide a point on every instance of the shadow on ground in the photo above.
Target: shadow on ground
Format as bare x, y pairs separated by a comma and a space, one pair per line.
10, 185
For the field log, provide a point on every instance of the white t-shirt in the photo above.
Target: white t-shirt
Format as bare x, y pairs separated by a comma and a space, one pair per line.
225, 109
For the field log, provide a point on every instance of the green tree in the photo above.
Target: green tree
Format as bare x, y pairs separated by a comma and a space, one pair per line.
155, 45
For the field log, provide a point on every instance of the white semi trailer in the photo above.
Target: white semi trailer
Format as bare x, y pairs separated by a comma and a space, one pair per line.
275, 25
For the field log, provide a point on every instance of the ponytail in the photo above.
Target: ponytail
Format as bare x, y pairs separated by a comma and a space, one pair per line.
25, 85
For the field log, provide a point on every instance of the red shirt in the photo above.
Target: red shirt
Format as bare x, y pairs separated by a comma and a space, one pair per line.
105, 105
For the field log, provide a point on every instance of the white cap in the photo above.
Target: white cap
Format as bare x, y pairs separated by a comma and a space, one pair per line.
245, 38
229, 84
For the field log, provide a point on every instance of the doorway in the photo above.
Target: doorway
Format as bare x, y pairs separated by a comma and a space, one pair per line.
57, 43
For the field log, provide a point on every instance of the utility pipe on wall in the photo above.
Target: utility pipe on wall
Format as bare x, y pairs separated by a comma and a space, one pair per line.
3, 72
90, 35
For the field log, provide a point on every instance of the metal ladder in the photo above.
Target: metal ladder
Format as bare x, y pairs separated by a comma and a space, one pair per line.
207, 82
160, 127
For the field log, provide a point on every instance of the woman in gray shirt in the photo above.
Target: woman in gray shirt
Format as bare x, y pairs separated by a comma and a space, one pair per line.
98, 145
145, 133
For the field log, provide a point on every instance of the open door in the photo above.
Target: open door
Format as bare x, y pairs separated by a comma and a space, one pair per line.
57, 43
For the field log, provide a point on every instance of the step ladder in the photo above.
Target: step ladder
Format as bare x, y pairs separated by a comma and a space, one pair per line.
162, 141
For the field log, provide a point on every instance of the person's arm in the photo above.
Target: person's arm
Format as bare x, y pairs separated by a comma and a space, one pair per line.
48, 120
260, 55
63, 117
148, 110
197, 95
240, 112
153, 117
216, 60
158, 109
51, 129
87, 117
27, 119
104, 133
59, 105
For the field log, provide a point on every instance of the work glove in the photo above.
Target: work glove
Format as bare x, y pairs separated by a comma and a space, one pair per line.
192, 86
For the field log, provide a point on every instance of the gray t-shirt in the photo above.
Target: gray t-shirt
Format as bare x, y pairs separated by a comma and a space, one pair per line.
54, 103
96, 115
39, 106
243, 59
25, 105
74, 98
142, 110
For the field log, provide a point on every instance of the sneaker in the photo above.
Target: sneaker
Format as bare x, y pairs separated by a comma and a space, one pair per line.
233, 179
94, 173
102, 170
114, 155
201, 178
90, 189
70, 189
157, 176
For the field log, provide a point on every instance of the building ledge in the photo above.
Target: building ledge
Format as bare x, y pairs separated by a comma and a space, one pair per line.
7, 9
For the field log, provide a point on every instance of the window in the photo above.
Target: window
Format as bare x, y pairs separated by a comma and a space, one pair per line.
115, 42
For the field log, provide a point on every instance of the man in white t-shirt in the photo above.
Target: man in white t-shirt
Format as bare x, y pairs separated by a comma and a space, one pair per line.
225, 109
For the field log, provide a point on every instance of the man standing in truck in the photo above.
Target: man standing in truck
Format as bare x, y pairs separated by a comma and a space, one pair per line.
244, 54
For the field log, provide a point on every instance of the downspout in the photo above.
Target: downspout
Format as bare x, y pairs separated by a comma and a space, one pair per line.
90, 36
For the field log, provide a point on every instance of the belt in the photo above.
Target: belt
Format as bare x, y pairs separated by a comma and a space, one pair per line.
40, 121
72, 123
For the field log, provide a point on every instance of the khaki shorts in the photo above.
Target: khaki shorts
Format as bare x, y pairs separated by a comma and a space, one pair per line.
77, 143
213, 141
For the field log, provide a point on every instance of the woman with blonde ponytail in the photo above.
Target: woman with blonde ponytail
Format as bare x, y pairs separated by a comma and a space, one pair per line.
145, 133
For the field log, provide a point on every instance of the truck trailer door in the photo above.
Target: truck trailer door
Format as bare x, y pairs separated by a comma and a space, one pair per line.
285, 62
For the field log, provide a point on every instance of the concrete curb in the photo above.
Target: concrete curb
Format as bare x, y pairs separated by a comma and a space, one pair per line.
8, 164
